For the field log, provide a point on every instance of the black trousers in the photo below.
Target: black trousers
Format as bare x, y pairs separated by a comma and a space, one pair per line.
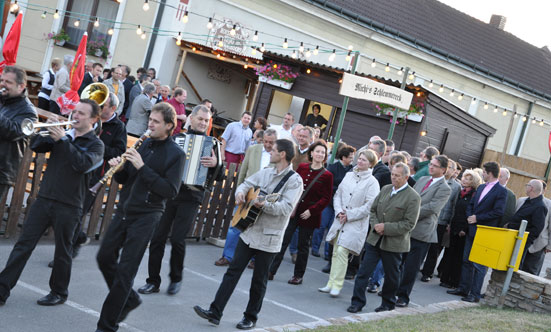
179, 216
44, 103
43, 214
54, 107
391, 265
453, 260
304, 241
242, 256
119, 258
434, 252
412, 263
533, 262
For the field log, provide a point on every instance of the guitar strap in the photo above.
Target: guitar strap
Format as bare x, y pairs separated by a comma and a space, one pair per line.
312, 184
282, 181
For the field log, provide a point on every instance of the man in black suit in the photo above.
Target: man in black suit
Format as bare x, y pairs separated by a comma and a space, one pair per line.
92, 76
486, 208
127, 86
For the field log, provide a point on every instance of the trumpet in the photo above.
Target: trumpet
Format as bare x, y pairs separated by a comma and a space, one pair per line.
94, 190
28, 127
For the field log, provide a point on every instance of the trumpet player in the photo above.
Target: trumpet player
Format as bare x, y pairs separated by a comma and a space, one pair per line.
73, 156
14, 108
151, 175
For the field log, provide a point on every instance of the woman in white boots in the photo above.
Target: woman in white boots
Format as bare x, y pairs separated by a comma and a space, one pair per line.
352, 203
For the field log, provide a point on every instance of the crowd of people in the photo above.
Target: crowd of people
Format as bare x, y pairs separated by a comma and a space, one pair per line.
380, 215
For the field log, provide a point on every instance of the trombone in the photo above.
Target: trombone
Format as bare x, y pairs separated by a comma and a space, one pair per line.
28, 127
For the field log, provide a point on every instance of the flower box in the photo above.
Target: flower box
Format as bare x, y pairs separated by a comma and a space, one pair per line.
279, 83
60, 42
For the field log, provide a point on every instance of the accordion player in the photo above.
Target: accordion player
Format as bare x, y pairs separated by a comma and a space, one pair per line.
195, 146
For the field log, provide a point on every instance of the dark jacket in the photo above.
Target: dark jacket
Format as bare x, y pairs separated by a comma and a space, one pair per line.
423, 170
458, 222
339, 171
70, 166
127, 88
12, 141
534, 211
490, 209
196, 194
317, 198
87, 80
510, 208
113, 135
382, 174
146, 190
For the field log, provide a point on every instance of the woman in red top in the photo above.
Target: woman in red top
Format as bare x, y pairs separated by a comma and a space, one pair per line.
307, 215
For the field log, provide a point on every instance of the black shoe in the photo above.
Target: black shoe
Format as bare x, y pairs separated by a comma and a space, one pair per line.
354, 309
326, 268
148, 289
349, 276
380, 293
126, 310
445, 285
206, 314
2, 302
425, 278
401, 303
51, 264
51, 299
245, 324
382, 308
315, 254
457, 291
174, 288
372, 288
470, 298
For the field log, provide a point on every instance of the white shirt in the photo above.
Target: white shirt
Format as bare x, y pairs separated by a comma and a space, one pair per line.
264, 158
395, 191
283, 133
434, 180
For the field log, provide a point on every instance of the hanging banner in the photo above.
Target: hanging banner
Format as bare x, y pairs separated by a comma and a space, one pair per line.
363, 88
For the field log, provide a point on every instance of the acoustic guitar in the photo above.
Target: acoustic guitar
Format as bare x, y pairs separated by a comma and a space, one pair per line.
247, 214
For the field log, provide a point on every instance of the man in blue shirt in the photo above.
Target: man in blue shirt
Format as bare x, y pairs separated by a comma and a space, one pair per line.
236, 139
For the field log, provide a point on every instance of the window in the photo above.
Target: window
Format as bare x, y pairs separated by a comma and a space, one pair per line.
105, 10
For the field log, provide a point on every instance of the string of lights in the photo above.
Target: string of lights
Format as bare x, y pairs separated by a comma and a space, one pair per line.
300, 49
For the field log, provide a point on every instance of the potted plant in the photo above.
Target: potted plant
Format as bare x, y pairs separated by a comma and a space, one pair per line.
98, 48
414, 113
277, 74
59, 38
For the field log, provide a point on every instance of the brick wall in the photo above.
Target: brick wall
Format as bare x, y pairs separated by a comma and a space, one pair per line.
526, 292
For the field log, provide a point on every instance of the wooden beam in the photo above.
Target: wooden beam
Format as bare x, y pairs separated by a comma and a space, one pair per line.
192, 86
225, 58
523, 173
506, 144
181, 67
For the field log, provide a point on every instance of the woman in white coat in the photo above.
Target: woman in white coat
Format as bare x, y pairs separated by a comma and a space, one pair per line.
352, 203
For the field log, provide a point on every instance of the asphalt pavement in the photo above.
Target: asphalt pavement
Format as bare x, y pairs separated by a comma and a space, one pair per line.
283, 304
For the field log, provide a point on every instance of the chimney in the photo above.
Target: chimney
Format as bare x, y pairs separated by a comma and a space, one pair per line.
498, 21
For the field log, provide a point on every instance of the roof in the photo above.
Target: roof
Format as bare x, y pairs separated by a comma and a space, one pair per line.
443, 31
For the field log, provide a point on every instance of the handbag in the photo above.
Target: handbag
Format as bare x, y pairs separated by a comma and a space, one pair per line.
304, 193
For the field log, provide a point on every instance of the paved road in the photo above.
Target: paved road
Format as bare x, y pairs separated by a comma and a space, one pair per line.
160, 312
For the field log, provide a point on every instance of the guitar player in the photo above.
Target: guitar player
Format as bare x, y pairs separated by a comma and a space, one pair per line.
263, 239
179, 214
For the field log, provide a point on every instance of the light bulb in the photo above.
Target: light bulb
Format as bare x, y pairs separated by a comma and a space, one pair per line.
294, 55
185, 18
194, 48
232, 31
460, 97
486, 106
246, 66
262, 49
43, 15
308, 53
431, 84
452, 93
316, 51
400, 71
515, 116
14, 7
96, 22
178, 42
387, 68
139, 30
473, 101
350, 47
285, 43
301, 47
534, 121
255, 37
77, 23
220, 43
56, 14
441, 88
146, 5
504, 113
333, 55
541, 123
110, 31
143, 35
253, 51
218, 55
209, 25
495, 109
523, 119
373, 64
179, 38
308, 71
348, 57
411, 76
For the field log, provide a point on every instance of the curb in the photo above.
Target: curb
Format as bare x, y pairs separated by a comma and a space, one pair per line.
370, 316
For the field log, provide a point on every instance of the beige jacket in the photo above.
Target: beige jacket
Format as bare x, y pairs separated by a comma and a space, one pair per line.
267, 232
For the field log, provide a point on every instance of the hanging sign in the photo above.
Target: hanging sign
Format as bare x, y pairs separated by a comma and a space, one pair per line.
363, 88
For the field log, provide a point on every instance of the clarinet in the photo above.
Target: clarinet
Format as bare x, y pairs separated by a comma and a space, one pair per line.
94, 190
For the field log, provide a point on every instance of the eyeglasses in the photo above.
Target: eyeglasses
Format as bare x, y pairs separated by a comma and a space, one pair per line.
435, 165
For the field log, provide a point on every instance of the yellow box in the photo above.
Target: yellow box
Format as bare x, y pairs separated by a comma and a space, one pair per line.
493, 247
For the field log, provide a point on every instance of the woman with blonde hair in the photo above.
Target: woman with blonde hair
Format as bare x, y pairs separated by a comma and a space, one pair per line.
352, 203
453, 255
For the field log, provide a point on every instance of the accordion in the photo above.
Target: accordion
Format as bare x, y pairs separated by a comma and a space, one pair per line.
195, 147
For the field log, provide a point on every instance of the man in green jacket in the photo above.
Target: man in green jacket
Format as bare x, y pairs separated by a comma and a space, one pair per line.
426, 156
393, 215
